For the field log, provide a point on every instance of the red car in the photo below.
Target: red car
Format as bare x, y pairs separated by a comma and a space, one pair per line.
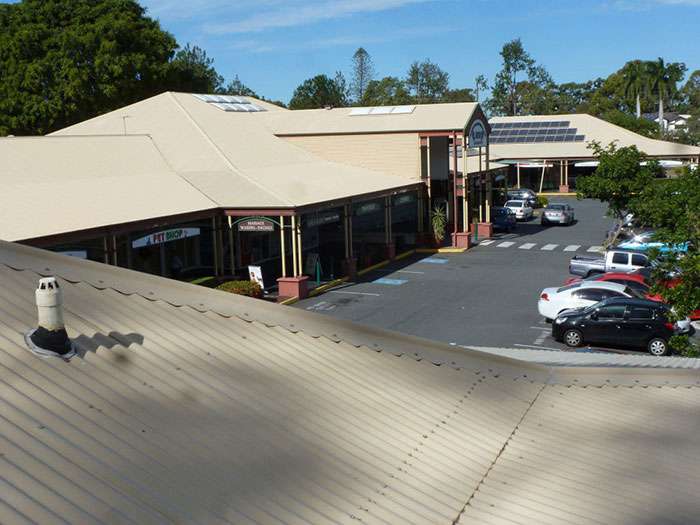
636, 281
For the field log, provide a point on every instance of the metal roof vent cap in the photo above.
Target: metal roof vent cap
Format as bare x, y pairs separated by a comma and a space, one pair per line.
50, 339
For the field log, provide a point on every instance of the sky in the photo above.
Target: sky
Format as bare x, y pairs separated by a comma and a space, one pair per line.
274, 45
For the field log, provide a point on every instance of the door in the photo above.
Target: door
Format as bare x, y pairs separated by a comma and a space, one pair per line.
619, 262
638, 327
608, 325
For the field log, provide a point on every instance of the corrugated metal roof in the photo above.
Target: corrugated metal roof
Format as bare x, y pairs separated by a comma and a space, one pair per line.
214, 411
594, 129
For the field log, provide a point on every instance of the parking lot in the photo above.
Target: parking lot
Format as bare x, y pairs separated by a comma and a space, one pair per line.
486, 296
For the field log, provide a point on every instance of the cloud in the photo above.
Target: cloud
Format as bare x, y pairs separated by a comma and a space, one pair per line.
292, 14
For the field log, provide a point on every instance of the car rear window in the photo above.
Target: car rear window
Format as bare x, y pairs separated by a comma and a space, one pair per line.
640, 312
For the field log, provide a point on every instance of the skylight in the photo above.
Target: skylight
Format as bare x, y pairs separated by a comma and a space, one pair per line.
382, 110
231, 103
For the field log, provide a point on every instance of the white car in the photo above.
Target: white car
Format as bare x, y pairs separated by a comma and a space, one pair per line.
520, 208
553, 301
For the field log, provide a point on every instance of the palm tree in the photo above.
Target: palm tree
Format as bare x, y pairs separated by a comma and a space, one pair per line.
663, 79
636, 82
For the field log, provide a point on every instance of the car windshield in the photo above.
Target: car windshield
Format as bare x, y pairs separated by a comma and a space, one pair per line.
568, 287
514, 204
633, 293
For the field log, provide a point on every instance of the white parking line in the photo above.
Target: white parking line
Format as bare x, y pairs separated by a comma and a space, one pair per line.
526, 246
506, 244
595, 249
549, 247
356, 293
486, 243
572, 248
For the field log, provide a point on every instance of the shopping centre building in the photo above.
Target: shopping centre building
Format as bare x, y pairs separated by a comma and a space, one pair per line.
183, 184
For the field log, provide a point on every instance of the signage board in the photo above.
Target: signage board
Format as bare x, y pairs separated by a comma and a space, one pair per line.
165, 236
477, 137
256, 224
255, 275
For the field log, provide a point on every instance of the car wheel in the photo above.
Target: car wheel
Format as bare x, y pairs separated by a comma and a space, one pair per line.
573, 338
658, 347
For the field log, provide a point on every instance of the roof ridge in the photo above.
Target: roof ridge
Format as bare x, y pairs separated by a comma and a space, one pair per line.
221, 154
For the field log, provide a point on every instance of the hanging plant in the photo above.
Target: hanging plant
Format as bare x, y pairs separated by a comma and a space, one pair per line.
438, 221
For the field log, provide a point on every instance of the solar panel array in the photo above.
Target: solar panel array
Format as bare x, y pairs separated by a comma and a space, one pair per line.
231, 103
533, 132
382, 110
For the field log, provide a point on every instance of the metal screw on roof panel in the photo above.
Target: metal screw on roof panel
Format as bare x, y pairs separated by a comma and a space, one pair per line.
50, 339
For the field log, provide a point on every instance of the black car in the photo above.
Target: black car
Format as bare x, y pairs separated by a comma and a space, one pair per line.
503, 219
623, 321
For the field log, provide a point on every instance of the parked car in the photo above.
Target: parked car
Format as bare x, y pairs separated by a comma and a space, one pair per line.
635, 281
618, 321
523, 194
521, 209
558, 214
643, 246
553, 301
612, 260
503, 219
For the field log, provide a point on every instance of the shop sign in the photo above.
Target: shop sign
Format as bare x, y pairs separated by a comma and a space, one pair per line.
478, 138
322, 218
369, 207
165, 236
257, 224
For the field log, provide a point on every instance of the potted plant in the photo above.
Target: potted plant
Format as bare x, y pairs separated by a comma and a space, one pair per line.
438, 222
247, 288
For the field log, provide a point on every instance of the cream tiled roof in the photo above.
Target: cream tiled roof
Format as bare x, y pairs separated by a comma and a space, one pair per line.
425, 117
190, 405
52, 185
232, 157
594, 129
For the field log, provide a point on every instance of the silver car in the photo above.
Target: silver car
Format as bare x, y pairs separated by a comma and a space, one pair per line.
558, 214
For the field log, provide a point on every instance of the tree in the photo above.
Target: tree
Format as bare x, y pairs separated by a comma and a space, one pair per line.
362, 73
458, 95
193, 71
515, 60
427, 82
389, 91
619, 176
642, 126
320, 91
672, 207
574, 97
664, 79
480, 85
690, 93
236, 87
636, 74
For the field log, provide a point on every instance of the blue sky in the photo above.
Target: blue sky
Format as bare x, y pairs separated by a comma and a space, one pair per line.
273, 45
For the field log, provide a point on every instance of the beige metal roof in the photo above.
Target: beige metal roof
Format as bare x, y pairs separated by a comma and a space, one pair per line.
52, 185
425, 117
229, 410
232, 157
594, 129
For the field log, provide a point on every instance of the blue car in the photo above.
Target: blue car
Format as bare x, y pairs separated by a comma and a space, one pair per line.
503, 219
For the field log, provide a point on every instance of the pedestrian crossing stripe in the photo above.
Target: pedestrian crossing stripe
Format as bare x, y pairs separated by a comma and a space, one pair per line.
526, 246
506, 244
595, 249
486, 243
549, 247
572, 248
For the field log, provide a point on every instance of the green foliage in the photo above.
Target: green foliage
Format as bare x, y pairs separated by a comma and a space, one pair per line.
642, 126
541, 201
389, 91
320, 91
618, 178
438, 222
193, 71
458, 95
480, 86
682, 345
427, 82
248, 288
362, 73
236, 87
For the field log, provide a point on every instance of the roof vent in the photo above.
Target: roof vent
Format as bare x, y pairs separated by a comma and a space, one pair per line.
50, 338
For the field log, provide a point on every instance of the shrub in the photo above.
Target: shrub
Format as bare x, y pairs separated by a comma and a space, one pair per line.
247, 288
438, 220
542, 201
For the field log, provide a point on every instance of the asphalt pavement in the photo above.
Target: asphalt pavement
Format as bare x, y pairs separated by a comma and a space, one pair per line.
486, 296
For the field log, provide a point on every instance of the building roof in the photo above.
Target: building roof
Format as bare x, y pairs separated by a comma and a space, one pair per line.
594, 129
190, 405
52, 185
423, 117
232, 157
